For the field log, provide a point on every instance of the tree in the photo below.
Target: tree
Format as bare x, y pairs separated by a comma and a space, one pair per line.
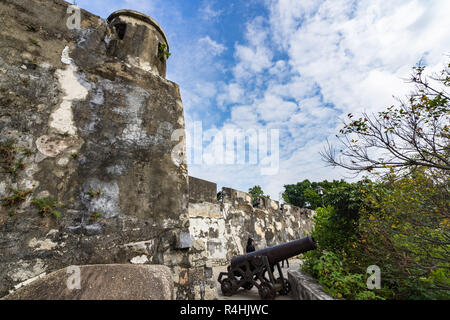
406, 232
305, 194
414, 134
402, 221
256, 192
295, 193
346, 198
312, 198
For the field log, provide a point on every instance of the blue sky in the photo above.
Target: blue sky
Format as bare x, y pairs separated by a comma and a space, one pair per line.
296, 66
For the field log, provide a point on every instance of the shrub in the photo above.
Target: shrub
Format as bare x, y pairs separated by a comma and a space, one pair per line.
334, 235
16, 198
407, 235
332, 231
47, 206
338, 280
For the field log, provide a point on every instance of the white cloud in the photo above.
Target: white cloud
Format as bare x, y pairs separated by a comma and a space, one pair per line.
243, 115
255, 56
210, 46
299, 69
252, 59
231, 93
274, 108
208, 13
311, 62
360, 55
206, 89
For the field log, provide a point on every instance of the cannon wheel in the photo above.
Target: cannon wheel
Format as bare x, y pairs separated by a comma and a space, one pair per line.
248, 286
228, 287
266, 291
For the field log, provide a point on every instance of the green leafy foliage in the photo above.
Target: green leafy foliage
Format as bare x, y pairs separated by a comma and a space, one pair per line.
94, 216
16, 198
337, 280
347, 198
415, 133
401, 223
256, 192
335, 235
48, 206
163, 51
406, 233
333, 231
94, 193
11, 157
295, 193
305, 194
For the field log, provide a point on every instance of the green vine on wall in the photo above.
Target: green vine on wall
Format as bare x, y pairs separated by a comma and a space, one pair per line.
48, 206
163, 52
17, 197
11, 157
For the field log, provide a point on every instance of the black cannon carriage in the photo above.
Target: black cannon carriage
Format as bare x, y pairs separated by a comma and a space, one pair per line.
257, 269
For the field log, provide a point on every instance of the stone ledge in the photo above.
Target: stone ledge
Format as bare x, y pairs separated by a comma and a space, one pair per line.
102, 282
305, 287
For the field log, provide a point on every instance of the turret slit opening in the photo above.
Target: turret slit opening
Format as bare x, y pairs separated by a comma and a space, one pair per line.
121, 28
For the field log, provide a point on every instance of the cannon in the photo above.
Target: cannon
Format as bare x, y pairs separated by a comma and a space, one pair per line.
257, 269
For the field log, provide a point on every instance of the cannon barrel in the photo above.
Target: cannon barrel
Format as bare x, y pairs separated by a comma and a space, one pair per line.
280, 252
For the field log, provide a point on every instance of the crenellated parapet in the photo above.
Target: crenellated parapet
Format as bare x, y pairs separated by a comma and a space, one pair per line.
221, 229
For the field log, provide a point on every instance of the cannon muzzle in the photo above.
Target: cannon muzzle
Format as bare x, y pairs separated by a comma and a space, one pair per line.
280, 252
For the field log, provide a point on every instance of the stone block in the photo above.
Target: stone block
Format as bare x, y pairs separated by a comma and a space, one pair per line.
101, 282
184, 240
305, 287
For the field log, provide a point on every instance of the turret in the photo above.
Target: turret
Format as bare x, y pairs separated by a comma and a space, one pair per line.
138, 40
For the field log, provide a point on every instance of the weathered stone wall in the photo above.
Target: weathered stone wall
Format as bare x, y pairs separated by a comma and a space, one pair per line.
305, 287
202, 190
87, 167
220, 229
87, 126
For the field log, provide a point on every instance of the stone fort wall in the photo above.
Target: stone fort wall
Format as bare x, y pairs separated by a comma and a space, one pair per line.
86, 124
220, 229
86, 129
